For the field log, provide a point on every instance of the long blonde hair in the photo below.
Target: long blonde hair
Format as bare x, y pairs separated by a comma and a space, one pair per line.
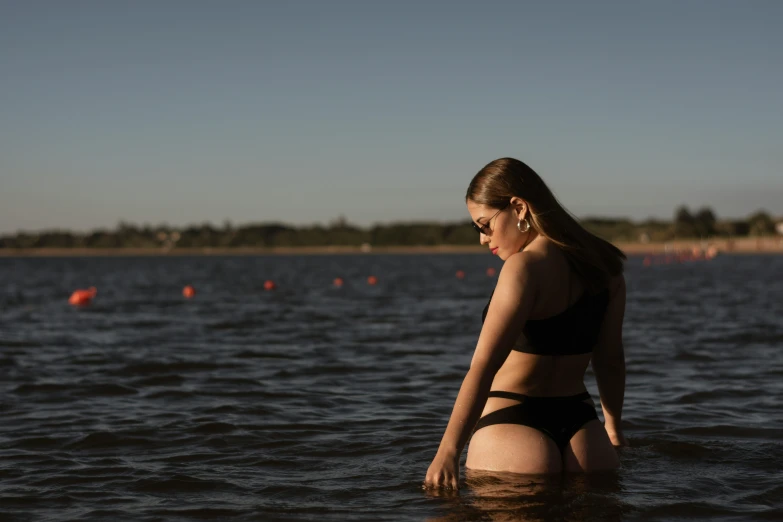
593, 259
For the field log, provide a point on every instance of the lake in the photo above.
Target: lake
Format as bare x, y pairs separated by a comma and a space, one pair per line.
313, 402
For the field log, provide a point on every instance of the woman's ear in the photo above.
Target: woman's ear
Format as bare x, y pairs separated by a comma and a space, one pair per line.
520, 207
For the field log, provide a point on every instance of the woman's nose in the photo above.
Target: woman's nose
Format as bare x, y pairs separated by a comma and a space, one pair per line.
483, 239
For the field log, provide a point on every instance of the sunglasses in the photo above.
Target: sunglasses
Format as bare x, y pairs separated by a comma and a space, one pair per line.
484, 229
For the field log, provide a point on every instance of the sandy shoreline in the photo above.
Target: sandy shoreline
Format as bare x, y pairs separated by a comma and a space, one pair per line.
741, 245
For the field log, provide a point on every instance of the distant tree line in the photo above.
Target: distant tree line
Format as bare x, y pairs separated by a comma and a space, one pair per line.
701, 224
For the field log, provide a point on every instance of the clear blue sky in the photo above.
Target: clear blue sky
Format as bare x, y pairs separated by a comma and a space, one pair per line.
193, 111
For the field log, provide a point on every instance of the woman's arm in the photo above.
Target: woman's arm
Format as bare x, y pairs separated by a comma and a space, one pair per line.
609, 363
510, 306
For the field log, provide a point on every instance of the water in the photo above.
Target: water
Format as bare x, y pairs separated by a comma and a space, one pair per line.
318, 403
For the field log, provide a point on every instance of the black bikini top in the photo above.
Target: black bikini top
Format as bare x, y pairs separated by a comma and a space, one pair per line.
573, 331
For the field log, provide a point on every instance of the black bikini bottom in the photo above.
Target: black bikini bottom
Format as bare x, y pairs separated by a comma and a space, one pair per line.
558, 417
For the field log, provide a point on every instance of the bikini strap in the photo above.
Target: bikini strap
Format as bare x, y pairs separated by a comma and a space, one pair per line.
508, 395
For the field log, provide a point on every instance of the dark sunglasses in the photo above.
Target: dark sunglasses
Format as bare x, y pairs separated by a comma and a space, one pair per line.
484, 229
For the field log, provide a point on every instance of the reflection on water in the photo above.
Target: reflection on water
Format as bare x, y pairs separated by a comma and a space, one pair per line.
534, 498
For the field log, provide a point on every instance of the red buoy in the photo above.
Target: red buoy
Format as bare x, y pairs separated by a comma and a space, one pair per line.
338, 282
491, 272
83, 297
189, 291
269, 285
460, 274
372, 280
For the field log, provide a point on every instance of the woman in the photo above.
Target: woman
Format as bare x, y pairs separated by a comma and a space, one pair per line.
558, 303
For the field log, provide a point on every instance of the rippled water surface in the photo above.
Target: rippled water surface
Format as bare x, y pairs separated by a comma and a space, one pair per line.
319, 403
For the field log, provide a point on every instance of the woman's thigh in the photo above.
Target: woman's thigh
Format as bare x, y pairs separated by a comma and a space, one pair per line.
590, 450
513, 448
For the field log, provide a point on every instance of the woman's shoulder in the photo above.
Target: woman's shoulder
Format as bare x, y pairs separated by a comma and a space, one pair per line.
545, 258
525, 268
525, 262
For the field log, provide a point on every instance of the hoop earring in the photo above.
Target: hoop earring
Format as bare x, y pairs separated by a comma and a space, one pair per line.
527, 225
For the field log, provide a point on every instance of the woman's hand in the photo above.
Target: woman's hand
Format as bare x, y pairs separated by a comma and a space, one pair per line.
616, 435
443, 472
